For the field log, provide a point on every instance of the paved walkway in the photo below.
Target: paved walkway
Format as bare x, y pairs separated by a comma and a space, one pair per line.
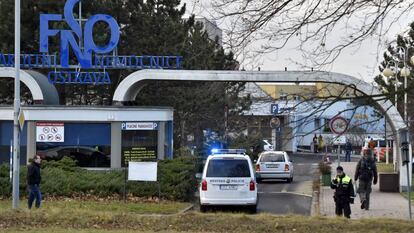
383, 205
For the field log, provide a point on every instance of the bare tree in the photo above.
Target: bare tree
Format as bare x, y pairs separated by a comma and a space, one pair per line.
321, 28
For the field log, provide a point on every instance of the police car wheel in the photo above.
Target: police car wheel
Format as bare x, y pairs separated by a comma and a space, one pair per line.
252, 209
203, 208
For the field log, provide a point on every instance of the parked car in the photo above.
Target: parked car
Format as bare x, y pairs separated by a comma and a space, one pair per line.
84, 155
274, 165
228, 180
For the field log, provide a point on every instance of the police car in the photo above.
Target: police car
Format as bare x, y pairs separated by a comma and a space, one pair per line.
228, 179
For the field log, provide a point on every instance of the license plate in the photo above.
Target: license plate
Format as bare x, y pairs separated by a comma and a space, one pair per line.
228, 187
272, 165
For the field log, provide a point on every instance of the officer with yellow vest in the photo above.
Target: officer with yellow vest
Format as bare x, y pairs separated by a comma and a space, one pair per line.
344, 193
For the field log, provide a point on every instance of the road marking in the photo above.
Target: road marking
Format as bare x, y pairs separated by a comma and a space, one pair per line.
307, 164
285, 187
300, 194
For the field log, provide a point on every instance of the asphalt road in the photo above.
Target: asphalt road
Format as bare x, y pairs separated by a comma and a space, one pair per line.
280, 197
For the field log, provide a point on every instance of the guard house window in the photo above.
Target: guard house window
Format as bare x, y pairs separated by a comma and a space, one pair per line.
317, 123
326, 125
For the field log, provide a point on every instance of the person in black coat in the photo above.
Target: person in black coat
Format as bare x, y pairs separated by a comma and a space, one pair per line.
33, 182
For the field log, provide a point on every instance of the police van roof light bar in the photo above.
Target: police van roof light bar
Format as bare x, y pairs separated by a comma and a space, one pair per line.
228, 151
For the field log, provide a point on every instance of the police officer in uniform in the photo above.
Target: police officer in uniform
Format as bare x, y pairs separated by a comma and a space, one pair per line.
344, 193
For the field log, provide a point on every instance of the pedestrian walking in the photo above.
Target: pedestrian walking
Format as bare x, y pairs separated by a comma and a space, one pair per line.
315, 144
371, 146
320, 143
344, 193
348, 151
366, 173
33, 182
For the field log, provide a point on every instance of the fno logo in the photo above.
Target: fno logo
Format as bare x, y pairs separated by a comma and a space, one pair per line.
69, 38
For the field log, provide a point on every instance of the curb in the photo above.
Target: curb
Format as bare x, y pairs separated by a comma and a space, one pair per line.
166, 215
315, 205
185, 210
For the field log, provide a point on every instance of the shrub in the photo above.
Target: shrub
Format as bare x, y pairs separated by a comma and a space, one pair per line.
176, 179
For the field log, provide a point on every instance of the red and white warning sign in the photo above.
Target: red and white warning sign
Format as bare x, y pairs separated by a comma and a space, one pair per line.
50, 132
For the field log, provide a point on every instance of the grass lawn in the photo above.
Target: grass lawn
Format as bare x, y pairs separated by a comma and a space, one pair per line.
112, 207
42, 221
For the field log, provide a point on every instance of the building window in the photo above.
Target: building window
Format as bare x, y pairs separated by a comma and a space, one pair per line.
89, 144
317, 123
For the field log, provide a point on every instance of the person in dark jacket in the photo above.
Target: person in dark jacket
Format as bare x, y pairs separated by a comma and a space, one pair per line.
344, 193
366, 173
348, 151
33, 182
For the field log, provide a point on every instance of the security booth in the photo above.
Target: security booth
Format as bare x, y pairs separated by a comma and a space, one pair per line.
96, 137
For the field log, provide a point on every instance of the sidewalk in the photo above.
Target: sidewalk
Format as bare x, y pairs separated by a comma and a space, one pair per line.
331, 155
383, 205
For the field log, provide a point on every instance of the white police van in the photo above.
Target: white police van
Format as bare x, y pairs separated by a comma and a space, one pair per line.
228, 179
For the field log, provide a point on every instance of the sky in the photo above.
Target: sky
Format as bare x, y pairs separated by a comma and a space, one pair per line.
359, 61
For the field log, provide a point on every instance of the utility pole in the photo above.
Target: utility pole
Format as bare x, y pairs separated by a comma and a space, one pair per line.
16, 130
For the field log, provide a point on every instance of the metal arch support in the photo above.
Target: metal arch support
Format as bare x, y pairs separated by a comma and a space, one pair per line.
42, 91
129, 88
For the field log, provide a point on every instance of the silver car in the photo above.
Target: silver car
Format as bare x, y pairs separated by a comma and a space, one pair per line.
274, 165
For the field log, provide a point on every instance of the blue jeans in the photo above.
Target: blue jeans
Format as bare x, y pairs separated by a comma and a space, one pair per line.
34, 193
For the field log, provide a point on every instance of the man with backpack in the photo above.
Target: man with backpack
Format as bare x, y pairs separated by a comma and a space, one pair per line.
366, 173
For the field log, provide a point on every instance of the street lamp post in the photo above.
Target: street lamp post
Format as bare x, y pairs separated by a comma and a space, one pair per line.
405, 72
391, 71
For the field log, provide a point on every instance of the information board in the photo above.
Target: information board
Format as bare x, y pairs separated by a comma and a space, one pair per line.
50, 132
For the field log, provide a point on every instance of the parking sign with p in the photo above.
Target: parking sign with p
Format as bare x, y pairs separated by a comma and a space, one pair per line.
274, 109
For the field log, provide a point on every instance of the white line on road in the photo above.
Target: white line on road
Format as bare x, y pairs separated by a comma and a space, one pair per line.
300, 194
285, 187
307, 164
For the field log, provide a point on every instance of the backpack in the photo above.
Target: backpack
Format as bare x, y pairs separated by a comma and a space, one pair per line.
366, 169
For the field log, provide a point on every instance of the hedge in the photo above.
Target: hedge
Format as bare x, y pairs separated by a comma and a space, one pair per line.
63, 178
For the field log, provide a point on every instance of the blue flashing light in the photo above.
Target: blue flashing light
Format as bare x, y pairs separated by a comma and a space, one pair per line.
228, 151
214, 151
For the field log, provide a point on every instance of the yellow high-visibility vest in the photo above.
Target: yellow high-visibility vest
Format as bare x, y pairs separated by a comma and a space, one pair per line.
345, 180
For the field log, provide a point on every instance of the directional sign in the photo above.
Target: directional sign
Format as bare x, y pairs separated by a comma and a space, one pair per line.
139, 126
21, 120
338, 125
274, 109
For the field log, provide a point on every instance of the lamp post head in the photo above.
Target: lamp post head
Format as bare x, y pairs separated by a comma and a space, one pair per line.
388, 72
405, 72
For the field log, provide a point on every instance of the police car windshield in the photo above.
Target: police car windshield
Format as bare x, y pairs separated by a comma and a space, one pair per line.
228, 168
272, 158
